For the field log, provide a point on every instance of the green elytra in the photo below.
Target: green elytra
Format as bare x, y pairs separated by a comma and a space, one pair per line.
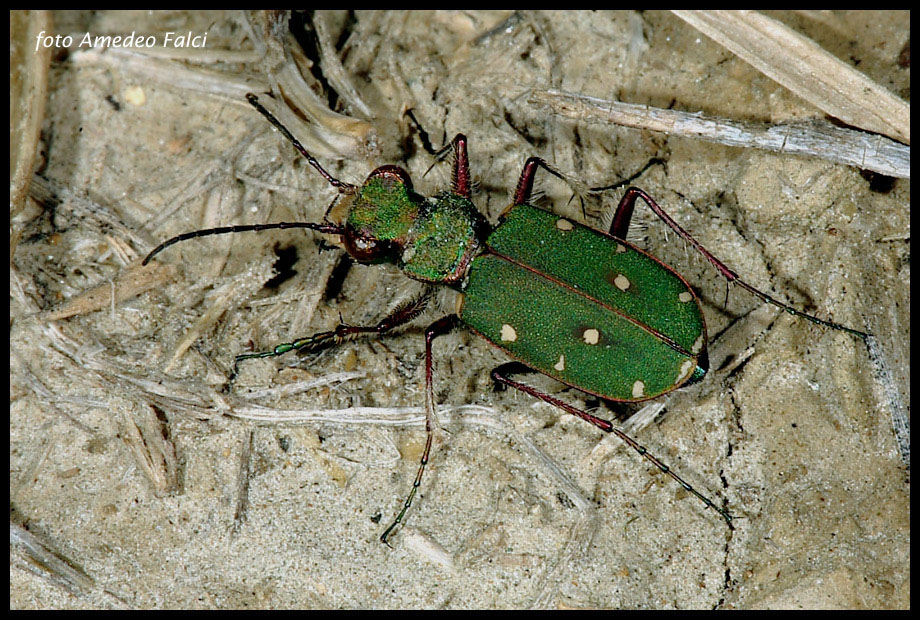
582, 306
597, 314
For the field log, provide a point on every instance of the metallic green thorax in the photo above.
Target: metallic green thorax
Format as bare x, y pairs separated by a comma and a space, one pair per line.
444, 239
582, 307
436, 238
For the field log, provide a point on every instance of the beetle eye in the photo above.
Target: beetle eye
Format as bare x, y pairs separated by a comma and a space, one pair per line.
366, 249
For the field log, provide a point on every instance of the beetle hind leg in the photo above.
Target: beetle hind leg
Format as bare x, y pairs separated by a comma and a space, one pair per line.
511, 368
620, 227
502, 375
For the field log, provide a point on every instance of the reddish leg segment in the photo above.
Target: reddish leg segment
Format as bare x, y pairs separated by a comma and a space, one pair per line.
525, 184
438, 328
501, 375
620, 227
460, 180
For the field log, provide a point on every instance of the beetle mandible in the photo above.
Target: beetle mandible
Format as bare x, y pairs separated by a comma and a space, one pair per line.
617, 323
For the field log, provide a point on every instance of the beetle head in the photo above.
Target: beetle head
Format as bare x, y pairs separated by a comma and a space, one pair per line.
378, 216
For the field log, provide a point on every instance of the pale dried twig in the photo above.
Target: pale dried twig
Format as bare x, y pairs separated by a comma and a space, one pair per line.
823, 140
154, 452
333, 69
47, 562
130, 282
802, 66
173, 74
242, 483
28, 93
231, 294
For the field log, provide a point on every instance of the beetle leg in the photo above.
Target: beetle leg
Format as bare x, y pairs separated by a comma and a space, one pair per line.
438, 328
525, 183
500, 375
342, 333
460, 180
620, 227
510, 368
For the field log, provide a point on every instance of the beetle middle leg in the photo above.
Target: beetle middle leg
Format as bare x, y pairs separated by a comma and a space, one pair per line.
502, 374
438, 328
524, 189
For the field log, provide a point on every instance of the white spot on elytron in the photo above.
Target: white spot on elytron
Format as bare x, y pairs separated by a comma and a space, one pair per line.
562, 224
638, 389
685, 296
560, 365
698, 345
508, 333
591, 336
620, 248
685, 369
621, 281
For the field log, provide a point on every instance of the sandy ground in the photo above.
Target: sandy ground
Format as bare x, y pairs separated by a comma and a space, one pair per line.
134, 460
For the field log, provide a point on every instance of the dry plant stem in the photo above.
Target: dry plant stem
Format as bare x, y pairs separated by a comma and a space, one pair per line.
174, 74
43, 560
333, 68
803, 67
33, 553
155, 455
844, 146
242, 482
130, 282
343, 136
28, 91
231, 294
327, 134
203, 56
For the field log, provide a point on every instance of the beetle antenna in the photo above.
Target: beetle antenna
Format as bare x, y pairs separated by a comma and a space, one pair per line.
342, 186
329, 229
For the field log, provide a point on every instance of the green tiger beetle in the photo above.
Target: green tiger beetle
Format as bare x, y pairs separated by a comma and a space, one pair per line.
582, 306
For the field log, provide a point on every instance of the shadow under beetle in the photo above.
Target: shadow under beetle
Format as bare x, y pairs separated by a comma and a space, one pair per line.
582, 306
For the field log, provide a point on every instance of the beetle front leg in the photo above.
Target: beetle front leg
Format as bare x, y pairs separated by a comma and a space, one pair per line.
460, 180
502, 374
343, 333
438, 328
